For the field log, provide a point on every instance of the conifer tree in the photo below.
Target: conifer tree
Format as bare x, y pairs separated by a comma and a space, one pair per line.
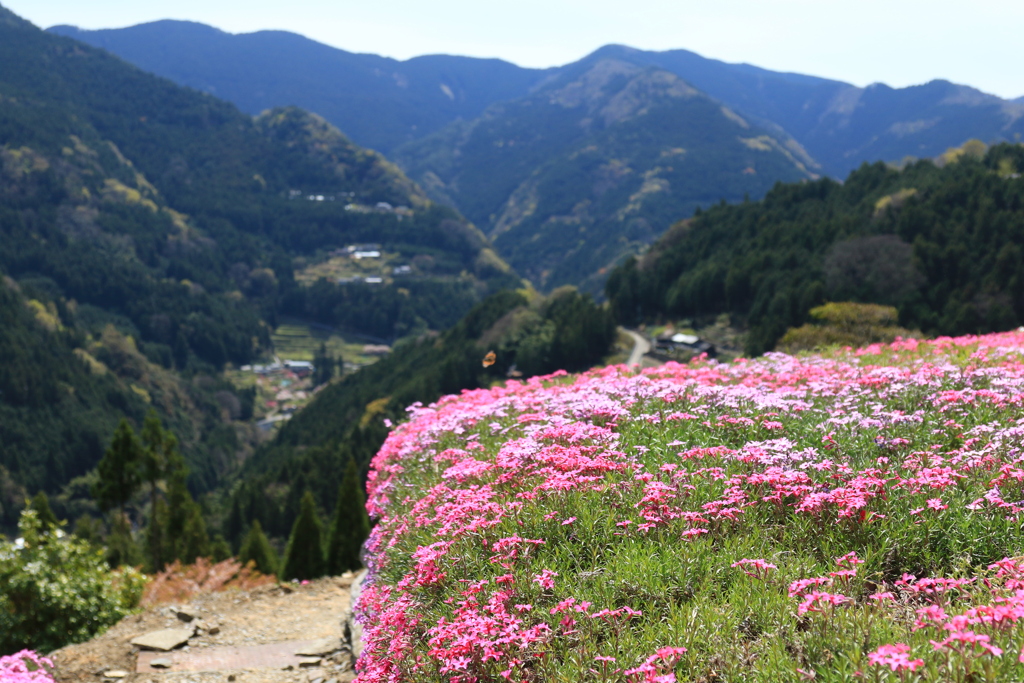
195, 541
256, 548
157, 552
185, 529
304, 557
41, 504
351, 525
119, 469
220, 549
121, 547
156, 445
178, 499
324, 365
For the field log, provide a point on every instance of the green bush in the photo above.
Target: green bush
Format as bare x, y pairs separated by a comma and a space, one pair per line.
57, 589
845, 324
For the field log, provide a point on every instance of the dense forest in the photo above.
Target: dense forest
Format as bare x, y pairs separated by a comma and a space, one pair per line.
158, 230
940, 241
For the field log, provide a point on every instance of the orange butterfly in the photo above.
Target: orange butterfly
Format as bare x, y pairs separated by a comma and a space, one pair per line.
489, 359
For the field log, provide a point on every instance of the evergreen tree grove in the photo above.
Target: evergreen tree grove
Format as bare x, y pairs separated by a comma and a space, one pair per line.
351, 525
304, 557
257, 549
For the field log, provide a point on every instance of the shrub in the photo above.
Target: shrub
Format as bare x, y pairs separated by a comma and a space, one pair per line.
57, 589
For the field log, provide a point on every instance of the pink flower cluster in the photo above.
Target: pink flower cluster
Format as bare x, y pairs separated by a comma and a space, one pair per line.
835, 441
25, 667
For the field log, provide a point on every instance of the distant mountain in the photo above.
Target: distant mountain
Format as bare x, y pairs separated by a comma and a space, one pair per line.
155, 231
382, 103
597, 163
379, 102
842, 126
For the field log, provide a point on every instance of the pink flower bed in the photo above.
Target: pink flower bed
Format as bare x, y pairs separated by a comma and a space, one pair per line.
852, 513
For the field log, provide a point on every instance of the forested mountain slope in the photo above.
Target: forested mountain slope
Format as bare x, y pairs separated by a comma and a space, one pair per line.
161, 227
595, 165
943, 244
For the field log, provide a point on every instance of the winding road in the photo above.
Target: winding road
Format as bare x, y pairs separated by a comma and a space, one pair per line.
640, 347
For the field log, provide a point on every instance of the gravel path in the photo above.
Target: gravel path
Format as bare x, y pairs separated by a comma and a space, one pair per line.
241, 636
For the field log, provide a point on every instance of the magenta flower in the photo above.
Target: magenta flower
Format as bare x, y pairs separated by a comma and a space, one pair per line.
896, 657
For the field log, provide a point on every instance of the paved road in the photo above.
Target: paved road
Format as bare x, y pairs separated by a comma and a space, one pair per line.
640, 347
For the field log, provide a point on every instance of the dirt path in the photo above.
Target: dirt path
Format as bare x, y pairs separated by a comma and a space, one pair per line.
244, 636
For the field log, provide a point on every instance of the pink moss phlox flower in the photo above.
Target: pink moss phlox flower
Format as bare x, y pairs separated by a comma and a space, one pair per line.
800, 586
546, 579
760, 567
850, 559
25, 666
896, 657
815, 600
963, 641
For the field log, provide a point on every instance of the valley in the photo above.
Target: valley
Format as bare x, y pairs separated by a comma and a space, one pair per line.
238, 270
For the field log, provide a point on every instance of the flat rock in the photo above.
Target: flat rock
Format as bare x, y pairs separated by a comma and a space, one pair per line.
310, 662
116, 673
161, 663
324, 646
166, 639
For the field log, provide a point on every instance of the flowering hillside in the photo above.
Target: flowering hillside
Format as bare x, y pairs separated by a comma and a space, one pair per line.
847, 517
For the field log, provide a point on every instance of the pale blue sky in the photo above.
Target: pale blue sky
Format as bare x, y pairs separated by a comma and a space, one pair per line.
899, 42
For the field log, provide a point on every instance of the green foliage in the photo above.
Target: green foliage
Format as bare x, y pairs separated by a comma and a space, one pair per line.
304, 556
946, 255
351, 525
184, 527
55, 414
324, 365
119, 469
845, 324
121, 547
41, 505
195, 541
257, 549
58, 590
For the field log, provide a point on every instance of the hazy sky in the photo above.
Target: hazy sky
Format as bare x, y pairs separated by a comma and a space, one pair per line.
899, 42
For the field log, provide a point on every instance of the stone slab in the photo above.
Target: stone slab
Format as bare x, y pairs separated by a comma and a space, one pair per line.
164, 639
229, 658
320, 648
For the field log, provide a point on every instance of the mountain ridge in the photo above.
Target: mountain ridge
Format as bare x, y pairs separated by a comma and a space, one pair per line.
838, 124
594, 165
